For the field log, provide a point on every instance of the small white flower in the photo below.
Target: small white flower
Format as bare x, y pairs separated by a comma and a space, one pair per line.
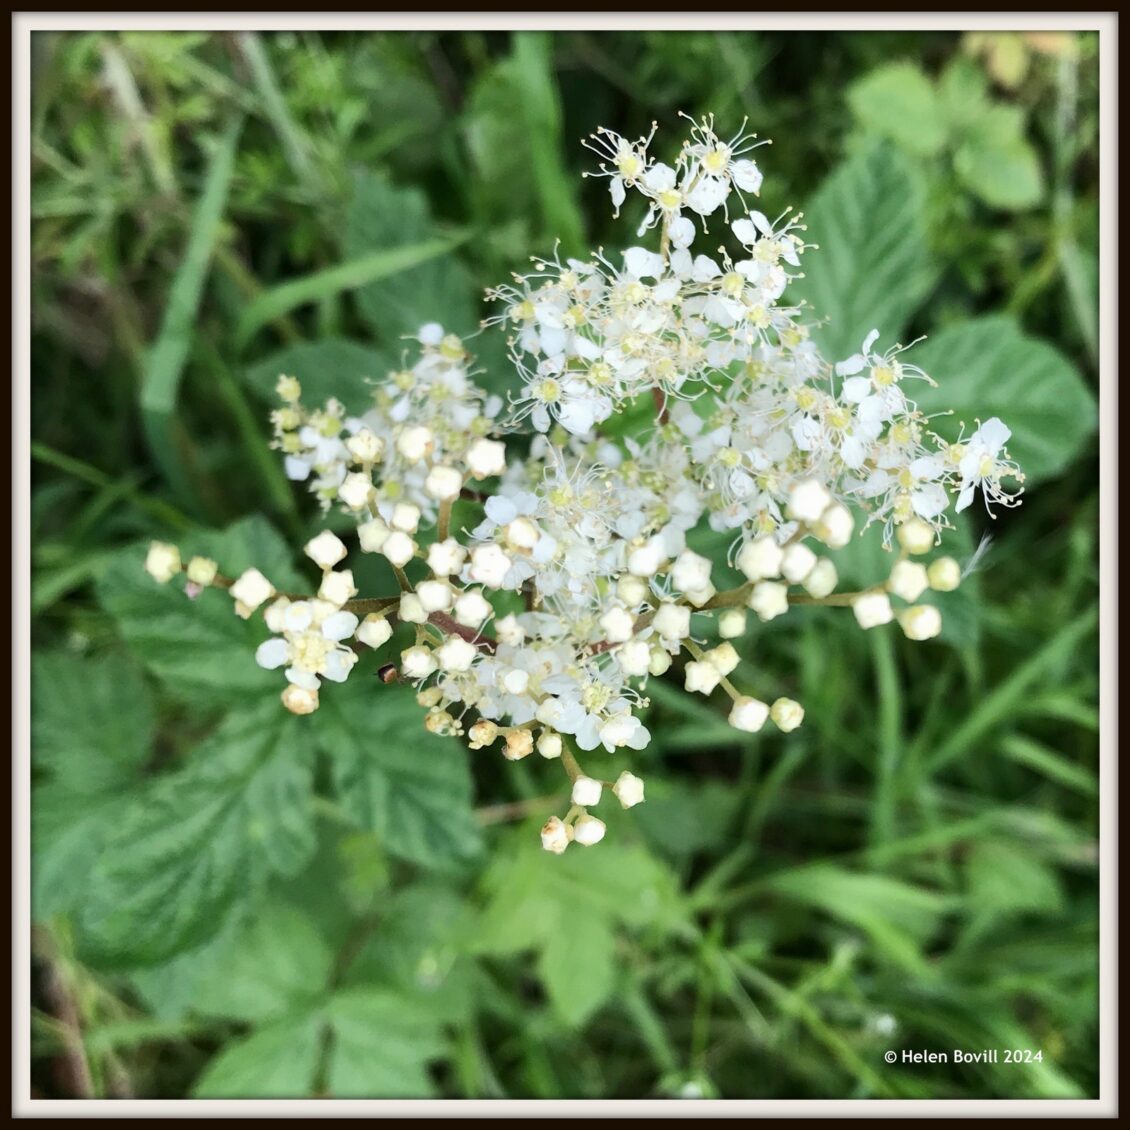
873, 609
399, 548
162, 562
555, 835
435, 596
375, 630
356, 490
748, 714
415, 443
445, 558
921, 622
455, 654
944, 574
672, 621
486, 457
443, 483
769, 599
326, 550
628, 789
251, 589
586, 791
908, 580
787, 714
702, 677
588, 830
760, 558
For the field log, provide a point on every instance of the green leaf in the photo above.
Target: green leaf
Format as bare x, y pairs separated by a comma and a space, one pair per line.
1005, 879
578, 968
898, 101
198, 842
200, 648
996, 162
276, 1062
989, 367
382, 1045
166, 360
334, 367
963, 92
92, 720
361, 270
382, 221
873, 268
394, 778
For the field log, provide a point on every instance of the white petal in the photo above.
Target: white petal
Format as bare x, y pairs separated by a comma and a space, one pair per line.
339, 626
272, 653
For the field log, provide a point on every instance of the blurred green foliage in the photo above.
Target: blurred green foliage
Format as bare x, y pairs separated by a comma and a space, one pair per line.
233, 902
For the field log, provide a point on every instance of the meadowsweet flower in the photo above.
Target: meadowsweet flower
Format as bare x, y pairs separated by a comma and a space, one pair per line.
787, 714
162, 562
873, 609
201, 571
628, 790
588, 830
909, 580
921, 622
944, 574
748, 714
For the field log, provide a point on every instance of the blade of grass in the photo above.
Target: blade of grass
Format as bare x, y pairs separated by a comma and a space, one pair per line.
280, 300
888, 738
166, 360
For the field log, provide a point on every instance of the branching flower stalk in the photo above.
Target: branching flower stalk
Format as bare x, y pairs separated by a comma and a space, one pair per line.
755, 435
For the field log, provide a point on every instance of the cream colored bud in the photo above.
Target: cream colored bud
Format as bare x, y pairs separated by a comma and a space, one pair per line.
631, 590
915, 536
822, 581
628, 789
808, 501
701, 677
797, 562
435, 596
251, 589
748, 714
724, 658
443, 483
374, 631
617, 624
399, 548
288, 389
411, 610
373, 535
555, 835
299, 700
325, 550
760, 558
415, 443
446, 557
921, 622
356, 490
732, 623
519, 744
908, 580
787, 714
549, 745
406, 517
873, 609
769, 599
365, 447
588, 830
338, 587
586, 791
482, 733
486, 457
944, 574
672, 621
162, 562
834, 527
202, 571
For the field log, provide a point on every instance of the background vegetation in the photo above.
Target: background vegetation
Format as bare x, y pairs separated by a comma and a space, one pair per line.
230, 901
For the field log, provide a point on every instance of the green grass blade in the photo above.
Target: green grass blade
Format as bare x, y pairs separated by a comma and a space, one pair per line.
280, 300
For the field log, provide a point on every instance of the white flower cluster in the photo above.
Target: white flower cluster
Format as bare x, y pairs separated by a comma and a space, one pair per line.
538, 627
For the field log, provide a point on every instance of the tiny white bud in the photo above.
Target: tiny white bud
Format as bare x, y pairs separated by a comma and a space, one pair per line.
628, 789
588, 830
909, 580
921, 622
873, 609
631, 590
406, 517
787, 714
748, 714
555, 835
325, 550
732, 623
701, 677
944, 574
834, 527
673, 621
435, 596
489, 565
456, 654
482, 733
515, 681
549, 745
617, 624
586, 791
399, 548
724, 658
472, 609
769, 599
509, 631
760, 558
691, 571
412, 610
373, 535
415, 443
659, 663
519, 744
417, 662
251, 589
299, 700
443, 483
916, 536
798, 561
808, 501
486, 457
356, 490
634, 657
338, 587
521, 534
365, 447
162, 562
375, 630
446, 557
201, 571
698, 597
288, 389
645, 560
823, 579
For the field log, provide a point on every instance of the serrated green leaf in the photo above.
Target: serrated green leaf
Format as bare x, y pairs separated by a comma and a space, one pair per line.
334, 367
202, 840
381, 1046
382, 219
413, 789
899, 102
200, 648
276, 1062
996, 162
989, 367
872, 268
577, 966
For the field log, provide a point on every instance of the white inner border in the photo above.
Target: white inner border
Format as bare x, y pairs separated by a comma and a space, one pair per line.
23, 24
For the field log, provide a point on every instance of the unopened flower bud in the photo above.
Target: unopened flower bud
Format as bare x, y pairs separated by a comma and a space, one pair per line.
443, 483
482, 733
808, 501
798, 561
873, 609
162, 562
201, 571
373, 535
628, 789
415, 443
769, 599
411, 609
908, 580
732, 623
374, 631
356, 490
555, 835
944, 574
299, 700
760, 558
519, 744
446, 557
748, 714
723, 658
787, 714
486, 457
822, 581
399, 548
915, 536
921, 622
586, 791
325, 550
701, 677
250, 590
549, 745
588, 830
435, 596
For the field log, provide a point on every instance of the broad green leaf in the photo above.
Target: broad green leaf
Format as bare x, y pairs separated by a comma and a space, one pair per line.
963, 93
872, 269
413, 789
91, 720
200, 648
996, 162
361, 270
898, 101
334, 367
384, 220
989, 367
198, 842
578, 968
382, 1045
275, 1062
1003, 878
